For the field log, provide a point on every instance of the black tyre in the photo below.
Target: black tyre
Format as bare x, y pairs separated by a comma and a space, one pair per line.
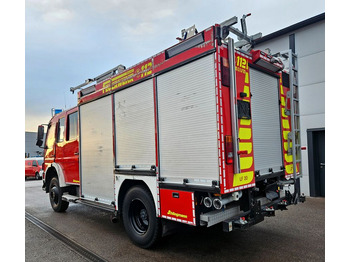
139, 217
55, 195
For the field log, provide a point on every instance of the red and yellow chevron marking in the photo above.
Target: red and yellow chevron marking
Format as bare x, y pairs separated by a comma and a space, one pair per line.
246, 177
286, 128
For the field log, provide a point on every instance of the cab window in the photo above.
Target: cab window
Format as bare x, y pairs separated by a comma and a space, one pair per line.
34, 163
72, 126
50, 138
60, 131
28, 163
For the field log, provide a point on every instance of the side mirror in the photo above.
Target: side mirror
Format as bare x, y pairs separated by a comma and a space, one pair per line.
40, 136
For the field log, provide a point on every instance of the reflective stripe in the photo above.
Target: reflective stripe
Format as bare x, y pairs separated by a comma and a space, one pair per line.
285, 123
245, 133
282, 112
245, 122
247, 91
289, 169
246, 80
288, 158
246, 146
242, 178
283, 101
285, 144
246, 162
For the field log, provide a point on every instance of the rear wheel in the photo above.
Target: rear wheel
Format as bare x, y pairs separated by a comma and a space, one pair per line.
139, 217
55, 195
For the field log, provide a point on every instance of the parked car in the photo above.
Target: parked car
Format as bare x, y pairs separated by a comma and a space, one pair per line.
33, 167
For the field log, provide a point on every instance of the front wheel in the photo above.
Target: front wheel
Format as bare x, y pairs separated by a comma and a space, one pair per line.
139, 217
55, 195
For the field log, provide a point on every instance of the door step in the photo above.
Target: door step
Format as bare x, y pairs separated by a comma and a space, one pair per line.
76, 199
70, 198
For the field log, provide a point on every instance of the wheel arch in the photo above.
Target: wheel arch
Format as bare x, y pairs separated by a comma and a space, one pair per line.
124, 188
54, 170
124, 183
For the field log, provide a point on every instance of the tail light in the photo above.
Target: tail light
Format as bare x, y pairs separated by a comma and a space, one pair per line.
228, 149
225, 72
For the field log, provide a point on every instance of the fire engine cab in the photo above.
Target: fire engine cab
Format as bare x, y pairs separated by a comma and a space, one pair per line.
204, 132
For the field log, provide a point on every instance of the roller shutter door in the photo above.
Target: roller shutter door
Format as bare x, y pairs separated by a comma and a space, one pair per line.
266, 122
96, 150
135, 127
187, 123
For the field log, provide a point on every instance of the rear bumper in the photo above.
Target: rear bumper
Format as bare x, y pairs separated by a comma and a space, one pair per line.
233, 218
258, 212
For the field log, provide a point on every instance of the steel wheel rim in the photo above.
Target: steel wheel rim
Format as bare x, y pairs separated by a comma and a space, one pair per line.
139, 216
54, 194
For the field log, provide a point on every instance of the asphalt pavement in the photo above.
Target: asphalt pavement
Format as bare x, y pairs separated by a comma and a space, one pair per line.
297, 234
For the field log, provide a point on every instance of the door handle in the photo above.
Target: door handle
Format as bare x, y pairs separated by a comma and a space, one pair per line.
322, 165
76, 153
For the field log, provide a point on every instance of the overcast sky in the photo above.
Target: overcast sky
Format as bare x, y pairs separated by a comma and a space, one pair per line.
68, 41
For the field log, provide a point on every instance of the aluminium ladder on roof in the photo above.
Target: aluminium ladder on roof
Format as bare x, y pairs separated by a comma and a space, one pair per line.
294, 112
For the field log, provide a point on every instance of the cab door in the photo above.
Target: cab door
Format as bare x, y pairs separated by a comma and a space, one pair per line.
50, 145
71, 148
67, 149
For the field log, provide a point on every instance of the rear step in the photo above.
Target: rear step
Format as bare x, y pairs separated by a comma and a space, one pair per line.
241, 222
258, 212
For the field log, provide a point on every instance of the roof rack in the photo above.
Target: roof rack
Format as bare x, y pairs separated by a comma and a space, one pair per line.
118, 69
245, 39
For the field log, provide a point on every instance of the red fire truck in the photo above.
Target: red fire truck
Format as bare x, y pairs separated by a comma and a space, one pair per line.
204, 132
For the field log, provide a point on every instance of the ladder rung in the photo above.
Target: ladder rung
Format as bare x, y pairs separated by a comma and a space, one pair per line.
296, 99
298, 161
